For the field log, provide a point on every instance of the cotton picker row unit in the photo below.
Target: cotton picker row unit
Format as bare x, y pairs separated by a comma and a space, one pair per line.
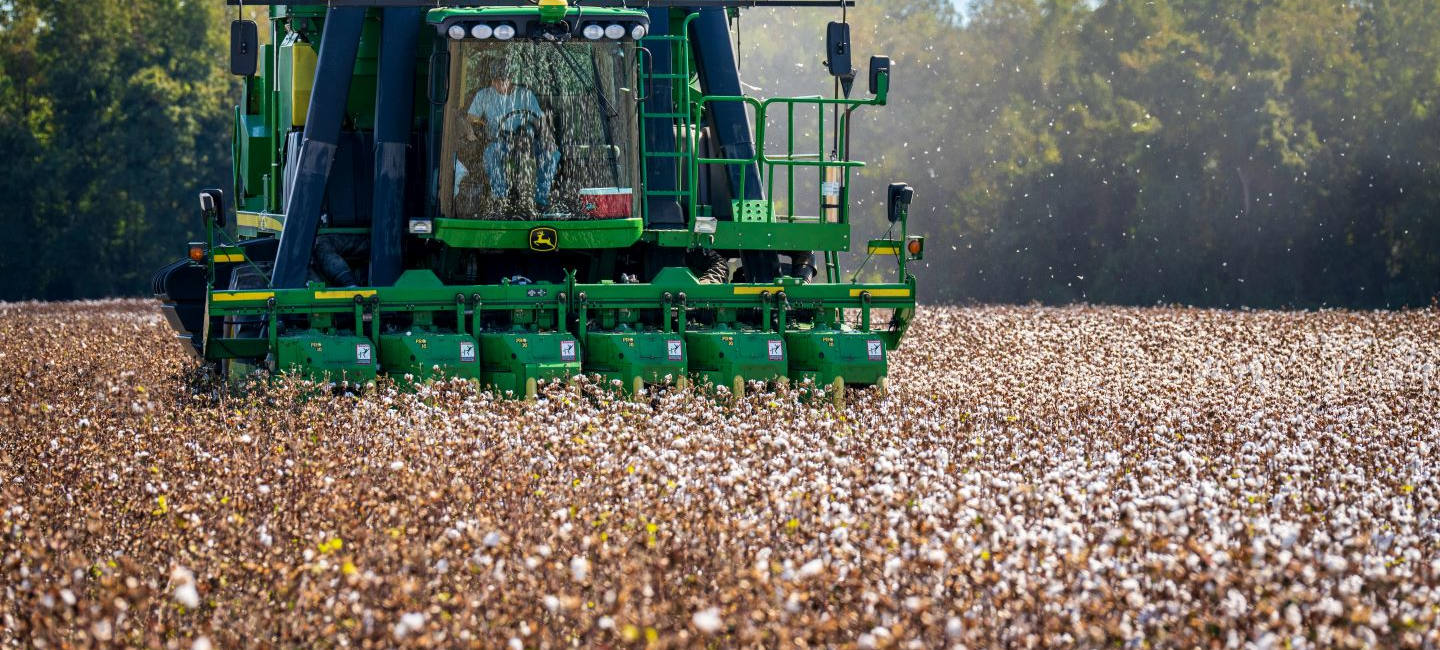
517, 191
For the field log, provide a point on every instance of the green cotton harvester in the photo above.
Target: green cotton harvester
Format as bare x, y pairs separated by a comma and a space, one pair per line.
518, 192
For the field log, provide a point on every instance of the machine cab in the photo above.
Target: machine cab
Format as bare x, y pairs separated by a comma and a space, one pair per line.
538, 119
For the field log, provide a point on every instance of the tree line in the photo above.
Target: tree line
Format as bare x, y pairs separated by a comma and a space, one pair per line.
112, 114
1206, 152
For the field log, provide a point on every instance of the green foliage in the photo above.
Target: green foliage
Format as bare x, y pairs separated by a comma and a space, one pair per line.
1210, 152
111, 116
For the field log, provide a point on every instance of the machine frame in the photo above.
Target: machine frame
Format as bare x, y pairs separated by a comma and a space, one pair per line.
670, 328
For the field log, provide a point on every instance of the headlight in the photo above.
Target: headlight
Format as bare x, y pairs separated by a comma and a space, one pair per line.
481, 31
637, 32
504, 32
615, 31
593, 32
457, 32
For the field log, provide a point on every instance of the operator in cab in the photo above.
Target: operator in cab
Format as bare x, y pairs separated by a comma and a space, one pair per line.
508, 117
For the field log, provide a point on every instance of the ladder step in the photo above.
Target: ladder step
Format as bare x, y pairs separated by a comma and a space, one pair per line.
667, 75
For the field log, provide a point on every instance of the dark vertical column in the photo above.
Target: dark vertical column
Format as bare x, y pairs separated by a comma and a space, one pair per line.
715, 60
661, 173
394, 113
338, 44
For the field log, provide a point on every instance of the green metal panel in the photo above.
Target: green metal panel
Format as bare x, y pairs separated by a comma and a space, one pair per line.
326, 357
722, 355
569, 235
218, 348
425, 354
825, 354
732, 235
509, 359
752, 210
624, 355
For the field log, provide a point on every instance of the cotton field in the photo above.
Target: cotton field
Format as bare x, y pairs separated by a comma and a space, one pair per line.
1035, 477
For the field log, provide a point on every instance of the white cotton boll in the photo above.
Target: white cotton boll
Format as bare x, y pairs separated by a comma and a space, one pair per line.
1287, 534
811, 569
954, 627
579, 569
1235, 604
492, 539
1336, 564
707, 620
187, 595
185, 592
515, 644
201, 643
408, 623
1292, 615
552, 603
396, 466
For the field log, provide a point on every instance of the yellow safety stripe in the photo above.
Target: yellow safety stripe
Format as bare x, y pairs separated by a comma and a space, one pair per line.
229, 257
892, 249
344, 294
881, 293
256, 220
753, 291
228, 296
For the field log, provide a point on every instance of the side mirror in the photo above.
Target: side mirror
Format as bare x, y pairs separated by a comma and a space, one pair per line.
212, 206
439, 88
899, 205
837, 54
878, 65
244, 47
837, 49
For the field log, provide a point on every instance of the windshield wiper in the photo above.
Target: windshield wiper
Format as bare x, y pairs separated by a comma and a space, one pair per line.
610, 111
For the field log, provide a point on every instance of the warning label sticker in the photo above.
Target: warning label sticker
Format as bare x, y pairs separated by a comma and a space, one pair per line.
776, 349
362, 354
674, 349
567, 350
875, 349
467, 351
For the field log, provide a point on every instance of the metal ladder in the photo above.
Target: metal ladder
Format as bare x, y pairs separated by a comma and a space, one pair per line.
681, 120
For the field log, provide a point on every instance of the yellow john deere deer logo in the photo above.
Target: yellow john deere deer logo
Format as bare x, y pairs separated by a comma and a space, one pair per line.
543, 239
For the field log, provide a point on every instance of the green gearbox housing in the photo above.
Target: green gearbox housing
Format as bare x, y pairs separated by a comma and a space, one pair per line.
606, 258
